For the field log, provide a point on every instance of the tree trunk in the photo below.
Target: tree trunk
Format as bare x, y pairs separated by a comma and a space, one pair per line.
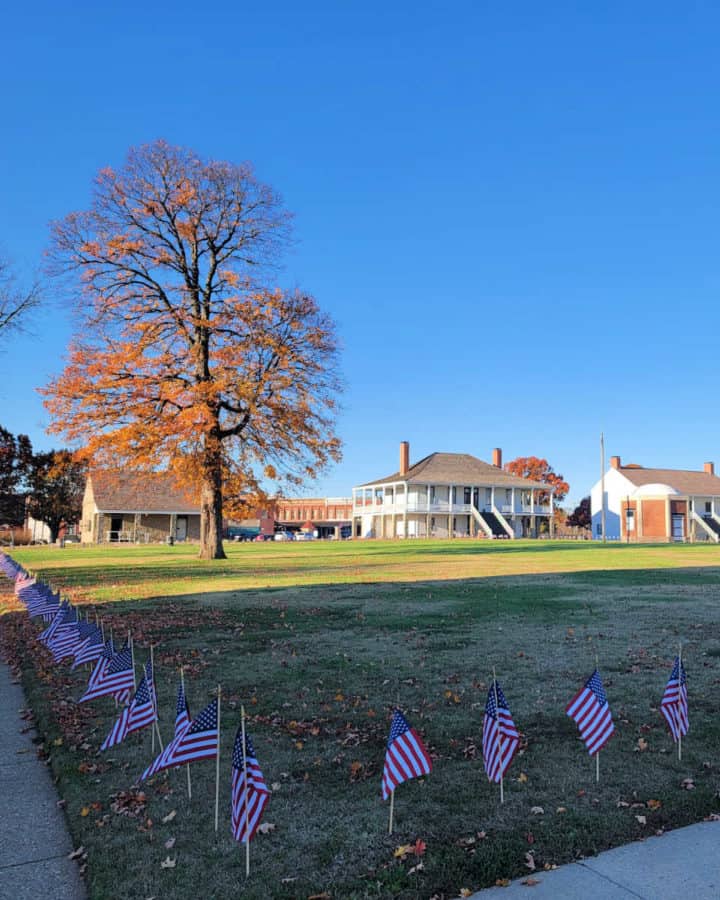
211, 517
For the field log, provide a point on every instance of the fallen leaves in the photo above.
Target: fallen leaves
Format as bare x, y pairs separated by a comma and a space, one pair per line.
404, 850
168, 863
688, 784
537, 810
266, 828
169, 817
654, 804
530, 882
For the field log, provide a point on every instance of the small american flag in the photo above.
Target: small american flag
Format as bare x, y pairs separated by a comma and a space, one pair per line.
90, 649
116, 679
500, 736
591, 710
137, 715
58, 619
182, 723
674, 705
405, 757
199, 741
249, 794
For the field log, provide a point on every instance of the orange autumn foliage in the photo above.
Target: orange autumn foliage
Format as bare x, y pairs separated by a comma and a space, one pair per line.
540, 470
187, 357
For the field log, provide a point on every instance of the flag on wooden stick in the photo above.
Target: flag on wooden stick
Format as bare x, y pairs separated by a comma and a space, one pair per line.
500, 736
249, 794
590, 709
674, 705
182, 723
405, 757
137, 715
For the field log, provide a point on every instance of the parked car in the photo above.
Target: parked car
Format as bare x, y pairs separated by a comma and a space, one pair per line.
284, 536
261, 538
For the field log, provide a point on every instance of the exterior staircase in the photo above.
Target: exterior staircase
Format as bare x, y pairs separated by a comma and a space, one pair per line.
710, 524
490, 524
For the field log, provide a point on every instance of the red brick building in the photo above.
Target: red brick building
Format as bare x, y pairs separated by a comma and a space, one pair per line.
330, 517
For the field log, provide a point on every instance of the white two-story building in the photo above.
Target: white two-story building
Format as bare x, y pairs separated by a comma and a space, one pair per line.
451, 495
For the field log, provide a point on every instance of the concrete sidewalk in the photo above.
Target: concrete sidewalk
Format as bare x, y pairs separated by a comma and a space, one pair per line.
681, 863
34, 842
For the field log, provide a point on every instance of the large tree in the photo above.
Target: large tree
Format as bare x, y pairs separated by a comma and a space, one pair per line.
187, 356
56, 483
15, 459
538, 469
15, 302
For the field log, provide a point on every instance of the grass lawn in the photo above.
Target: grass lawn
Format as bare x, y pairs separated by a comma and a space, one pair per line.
318, 641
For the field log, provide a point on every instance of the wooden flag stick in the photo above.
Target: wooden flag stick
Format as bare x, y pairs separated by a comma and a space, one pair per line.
679, 685
187, 767
247, 811
154, 728
497, 719
132, 654
217, 765
392, 809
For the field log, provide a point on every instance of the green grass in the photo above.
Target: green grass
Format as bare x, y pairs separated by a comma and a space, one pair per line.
127, 572
320, 653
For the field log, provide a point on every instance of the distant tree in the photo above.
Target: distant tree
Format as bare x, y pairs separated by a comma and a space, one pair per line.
15, 303
581, 516
187, 356
540, 470
15, 457
56, 483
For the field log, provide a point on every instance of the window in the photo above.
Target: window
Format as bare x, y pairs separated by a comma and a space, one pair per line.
508, 495
488, 495
454, 494
708, 507
466, 496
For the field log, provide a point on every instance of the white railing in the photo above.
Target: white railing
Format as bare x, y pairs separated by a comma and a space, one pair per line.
444, 506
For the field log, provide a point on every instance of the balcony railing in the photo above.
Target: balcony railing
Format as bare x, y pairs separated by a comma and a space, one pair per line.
361, 507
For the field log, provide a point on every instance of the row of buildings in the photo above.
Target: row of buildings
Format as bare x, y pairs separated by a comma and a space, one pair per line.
443, 495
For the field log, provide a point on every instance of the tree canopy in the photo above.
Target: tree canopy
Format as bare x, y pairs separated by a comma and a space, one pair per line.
581, 516
537, 469
187, 354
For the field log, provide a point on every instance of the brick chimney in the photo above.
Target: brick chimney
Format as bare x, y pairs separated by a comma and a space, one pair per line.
709, 468
404, 457
615, 462
497, 457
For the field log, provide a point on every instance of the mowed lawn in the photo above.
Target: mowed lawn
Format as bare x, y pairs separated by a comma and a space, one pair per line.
122, 572
319, 642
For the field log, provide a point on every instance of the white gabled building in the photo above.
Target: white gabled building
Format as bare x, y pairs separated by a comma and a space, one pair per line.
660, 505
451, 495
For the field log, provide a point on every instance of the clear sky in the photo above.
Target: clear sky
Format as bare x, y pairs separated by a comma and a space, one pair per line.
511, 210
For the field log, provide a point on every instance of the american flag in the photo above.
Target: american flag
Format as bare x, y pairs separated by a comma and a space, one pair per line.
117, 679
137, 715
249, 793
500, 736
591, 710
405, 757
150, 676
66, 639
182, 723
199, 741
674, 705
90, 649
57, 620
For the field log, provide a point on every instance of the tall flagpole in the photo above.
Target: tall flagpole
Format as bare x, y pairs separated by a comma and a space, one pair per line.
217, 765
247, 811
602, 487
497, 721
187, 765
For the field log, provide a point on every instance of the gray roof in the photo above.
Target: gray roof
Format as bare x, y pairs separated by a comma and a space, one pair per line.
457, 468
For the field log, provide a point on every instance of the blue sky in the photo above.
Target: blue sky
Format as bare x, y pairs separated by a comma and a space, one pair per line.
511, 210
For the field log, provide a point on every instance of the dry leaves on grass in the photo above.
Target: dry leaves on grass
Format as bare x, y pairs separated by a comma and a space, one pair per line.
168, 863
169, 817
530, 882
405, 850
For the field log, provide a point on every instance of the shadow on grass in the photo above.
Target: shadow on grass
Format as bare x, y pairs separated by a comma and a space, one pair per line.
318, 668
